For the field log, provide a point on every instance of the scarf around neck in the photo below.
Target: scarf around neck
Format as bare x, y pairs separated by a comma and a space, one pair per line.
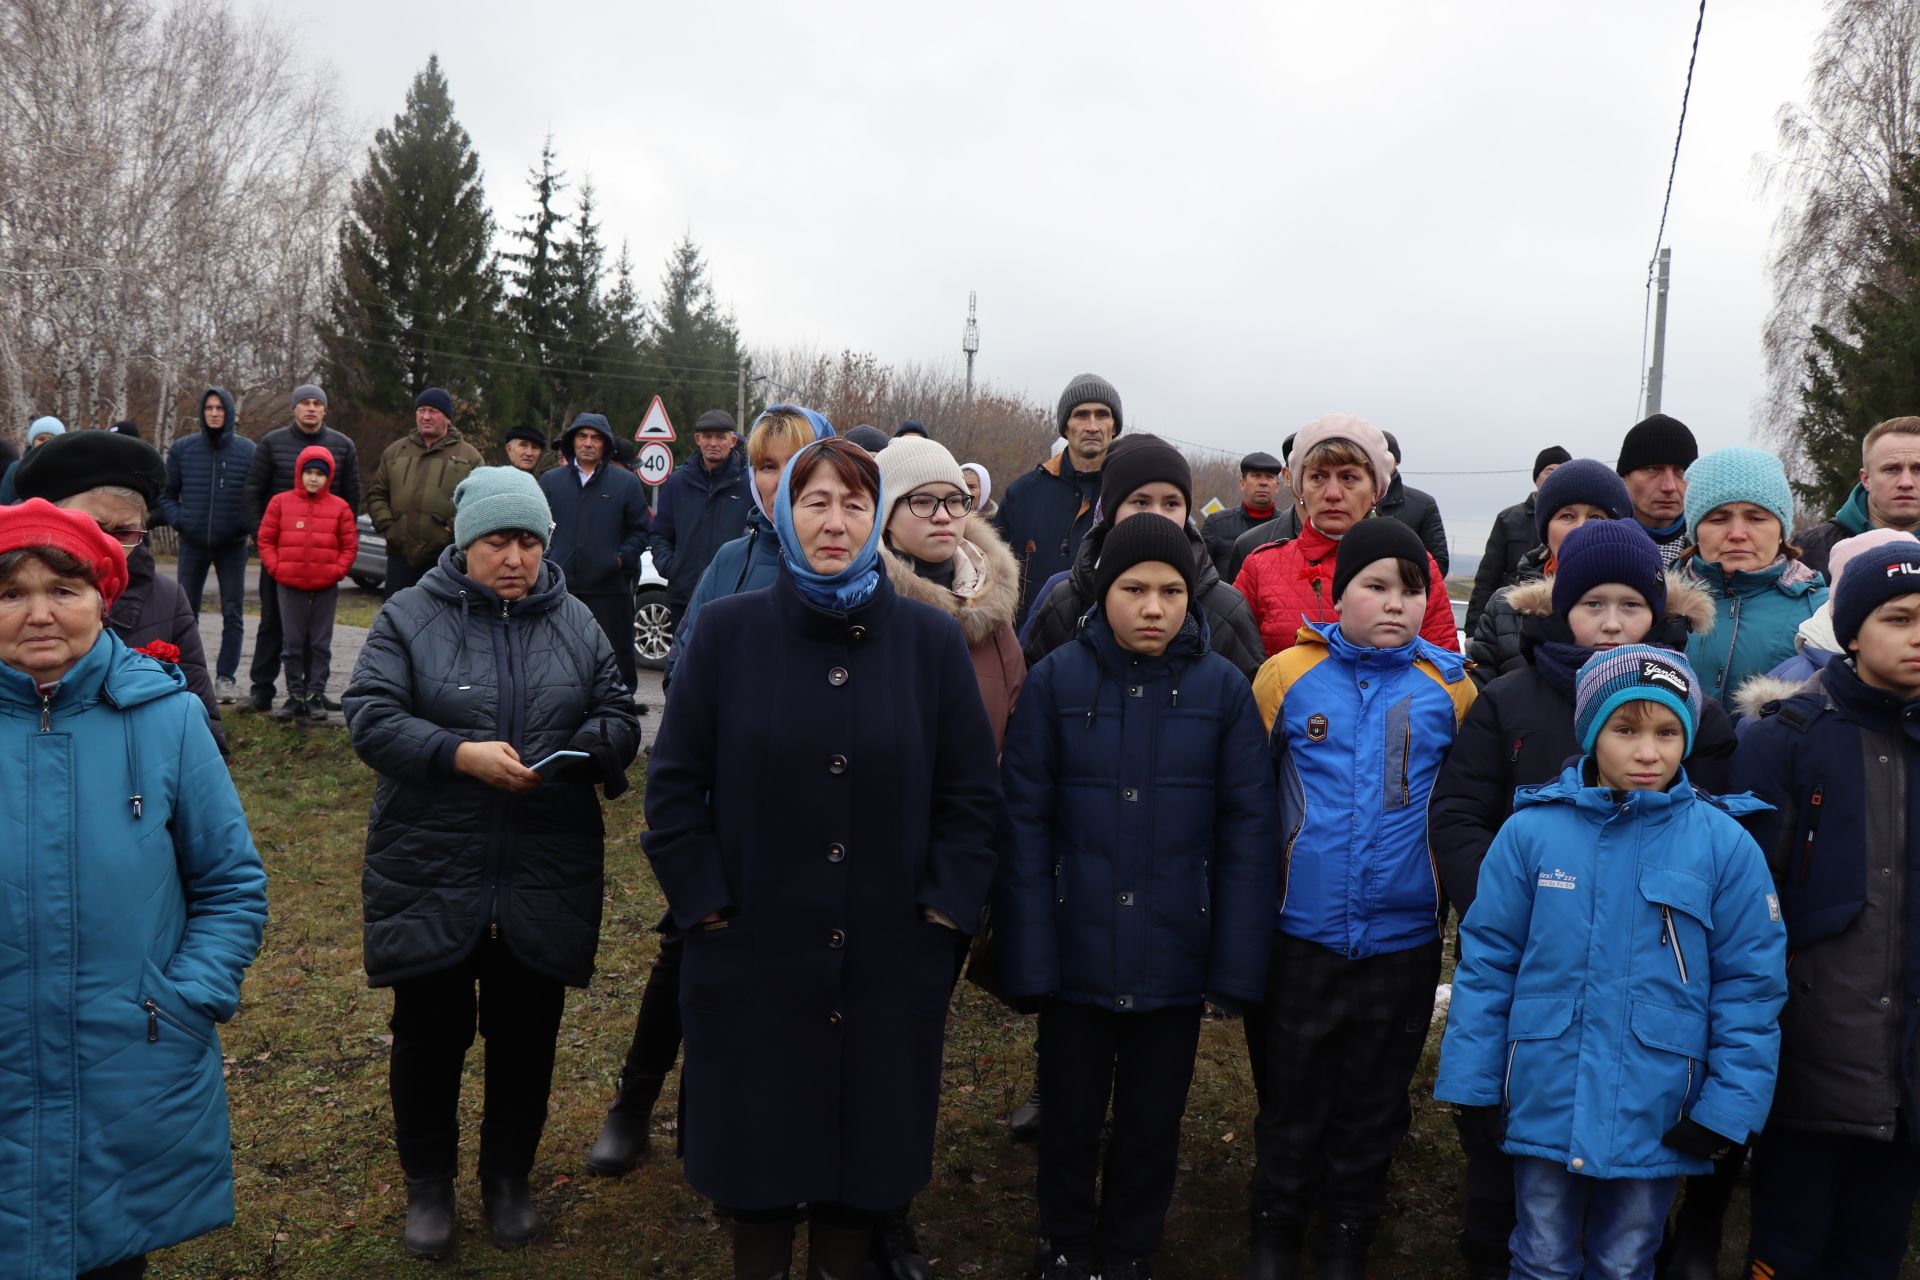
851, 586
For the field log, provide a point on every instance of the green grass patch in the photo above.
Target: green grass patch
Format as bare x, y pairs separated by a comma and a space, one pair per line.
320, 1192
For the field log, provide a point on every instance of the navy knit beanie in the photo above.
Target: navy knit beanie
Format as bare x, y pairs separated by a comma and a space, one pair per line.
1602, 551
1872, 578
1582, 480
435, 398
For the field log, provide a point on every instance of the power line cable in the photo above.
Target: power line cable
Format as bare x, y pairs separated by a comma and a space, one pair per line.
1660, 236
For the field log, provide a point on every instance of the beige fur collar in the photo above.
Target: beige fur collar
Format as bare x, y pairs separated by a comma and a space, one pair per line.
1685, 599
986, 582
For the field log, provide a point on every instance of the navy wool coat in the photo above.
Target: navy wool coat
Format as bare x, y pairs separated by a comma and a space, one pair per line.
820, 778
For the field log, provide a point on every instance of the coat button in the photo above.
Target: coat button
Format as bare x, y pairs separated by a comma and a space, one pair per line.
836, 939
1129, 793
1578, 1164
856, 633
836, 764
1126, 899
834, 1019
837, 677
836, 853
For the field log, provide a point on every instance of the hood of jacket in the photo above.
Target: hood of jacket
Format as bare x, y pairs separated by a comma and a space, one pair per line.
1760, 692
218, 436
313, 453
448, 581
1816, 633
1687, 602
1088, 558
1791, 578
986, 581
1452, 666
588, 422
1852, 515
1571, 787
731, 468
1191, 641
109, 672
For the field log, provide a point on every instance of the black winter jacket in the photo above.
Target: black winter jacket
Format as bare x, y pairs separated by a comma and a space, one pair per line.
448, 662
1519, 733
1282, 528
699, 512
1417, 509
1498, 644
1043, 518
1221, 530
599, 528
1514, 534
274, 459
204, 498
1840, 763
1056, 619
155, 607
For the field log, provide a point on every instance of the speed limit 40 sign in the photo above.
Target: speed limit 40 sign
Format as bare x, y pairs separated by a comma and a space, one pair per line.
655, 463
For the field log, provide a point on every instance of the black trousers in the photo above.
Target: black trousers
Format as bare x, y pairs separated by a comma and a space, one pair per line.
1143, 1064
1487, 1214
614, 612
1343, 1041
656, 1034
129, 1269
1827, 1207
401, 574
265, 668
518, 1011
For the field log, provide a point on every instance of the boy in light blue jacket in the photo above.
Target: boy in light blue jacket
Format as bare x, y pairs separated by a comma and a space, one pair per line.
1621, 973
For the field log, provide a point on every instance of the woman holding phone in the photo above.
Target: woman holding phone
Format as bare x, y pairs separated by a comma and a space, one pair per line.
481, 873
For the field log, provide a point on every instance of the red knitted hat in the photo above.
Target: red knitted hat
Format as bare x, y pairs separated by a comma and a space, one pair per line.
38, 523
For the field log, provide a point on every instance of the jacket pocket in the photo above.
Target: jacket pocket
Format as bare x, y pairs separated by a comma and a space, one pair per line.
1534, 1018
166, 1013
1682, 1033
720, 972
1680, 896
1396, 793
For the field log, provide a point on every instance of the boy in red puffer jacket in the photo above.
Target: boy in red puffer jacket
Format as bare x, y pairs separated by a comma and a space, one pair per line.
307, 543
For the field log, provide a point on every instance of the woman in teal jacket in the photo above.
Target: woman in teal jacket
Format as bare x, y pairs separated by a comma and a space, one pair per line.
1739, 507
133, 903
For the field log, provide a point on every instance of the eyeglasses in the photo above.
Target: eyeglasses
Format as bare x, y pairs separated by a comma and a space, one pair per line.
128, 538
924, 504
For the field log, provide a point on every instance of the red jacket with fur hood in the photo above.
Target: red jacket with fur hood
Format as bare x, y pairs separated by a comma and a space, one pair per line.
308, 540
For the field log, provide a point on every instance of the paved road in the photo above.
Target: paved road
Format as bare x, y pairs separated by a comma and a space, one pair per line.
347, 642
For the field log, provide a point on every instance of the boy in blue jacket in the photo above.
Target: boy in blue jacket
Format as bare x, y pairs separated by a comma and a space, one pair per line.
1361, 712
1137, 885
1620, 972
1837, 1171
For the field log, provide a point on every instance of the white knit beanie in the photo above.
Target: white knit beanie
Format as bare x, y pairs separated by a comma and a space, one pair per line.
910, 461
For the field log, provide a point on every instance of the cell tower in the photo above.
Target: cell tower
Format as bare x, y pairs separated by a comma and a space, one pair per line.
970, 342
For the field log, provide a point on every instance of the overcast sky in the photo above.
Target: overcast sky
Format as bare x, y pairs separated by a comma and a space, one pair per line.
1435, 215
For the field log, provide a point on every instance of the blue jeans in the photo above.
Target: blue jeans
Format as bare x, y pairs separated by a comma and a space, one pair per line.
229, 564
1572, 1227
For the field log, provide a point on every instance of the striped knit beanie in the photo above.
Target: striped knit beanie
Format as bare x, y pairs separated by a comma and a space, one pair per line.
1633, 672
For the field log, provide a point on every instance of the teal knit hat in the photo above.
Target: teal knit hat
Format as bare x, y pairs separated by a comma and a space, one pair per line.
1634, 673
1738, 474
494, 498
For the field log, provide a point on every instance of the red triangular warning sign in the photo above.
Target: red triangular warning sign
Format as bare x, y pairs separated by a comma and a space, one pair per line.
656, 425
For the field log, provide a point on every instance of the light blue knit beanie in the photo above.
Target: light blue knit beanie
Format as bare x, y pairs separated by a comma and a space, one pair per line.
45, 427
1739, 474
494, 498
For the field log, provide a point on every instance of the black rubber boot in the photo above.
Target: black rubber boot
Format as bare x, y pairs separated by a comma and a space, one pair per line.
1341, 1250
625, 1139
1276, 1249
508, 1205
895, 1252
836, 1253
433, 1224
1024, 1123
1693, 1253
762, 1250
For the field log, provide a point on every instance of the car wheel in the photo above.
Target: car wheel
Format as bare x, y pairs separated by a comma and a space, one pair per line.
365, 581
652, 629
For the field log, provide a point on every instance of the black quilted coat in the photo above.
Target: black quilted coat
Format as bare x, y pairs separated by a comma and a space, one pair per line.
448, 858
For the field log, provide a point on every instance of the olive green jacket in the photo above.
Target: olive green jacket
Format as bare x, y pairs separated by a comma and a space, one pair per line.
410, 498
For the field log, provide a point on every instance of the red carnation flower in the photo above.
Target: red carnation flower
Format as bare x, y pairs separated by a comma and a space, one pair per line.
160, 649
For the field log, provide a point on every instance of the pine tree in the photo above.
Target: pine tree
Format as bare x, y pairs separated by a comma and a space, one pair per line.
416, 302
577, 355
622, 367
535, 304
693, 347
1853, 382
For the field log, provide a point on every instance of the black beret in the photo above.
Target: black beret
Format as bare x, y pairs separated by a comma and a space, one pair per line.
87, 460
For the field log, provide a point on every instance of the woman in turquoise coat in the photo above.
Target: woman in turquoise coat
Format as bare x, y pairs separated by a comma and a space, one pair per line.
1739, 507
131, 904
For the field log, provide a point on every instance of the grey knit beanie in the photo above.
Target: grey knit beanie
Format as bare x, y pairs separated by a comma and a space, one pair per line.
308, 391
494, 498
1088, 388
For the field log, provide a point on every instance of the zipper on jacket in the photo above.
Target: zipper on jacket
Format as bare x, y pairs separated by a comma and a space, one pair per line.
1688, 1093
1506, 1086
1406, 791
46, 712
156, 1015
1815, 802
153, 1022
1514, 758
1670, 937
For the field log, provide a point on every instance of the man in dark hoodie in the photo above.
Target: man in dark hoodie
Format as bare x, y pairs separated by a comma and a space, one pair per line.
202, 500
273, 471
1415, 508
1048, 510
599, 530
702, 507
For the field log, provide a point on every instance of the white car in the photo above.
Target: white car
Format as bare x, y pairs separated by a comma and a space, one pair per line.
652, 619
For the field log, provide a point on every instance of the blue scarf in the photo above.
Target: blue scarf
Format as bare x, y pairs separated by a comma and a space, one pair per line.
1661, 535
821, 430
851, 586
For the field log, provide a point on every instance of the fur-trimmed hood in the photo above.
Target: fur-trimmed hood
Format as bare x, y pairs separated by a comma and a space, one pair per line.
1758, 691
986, 581
1685, 599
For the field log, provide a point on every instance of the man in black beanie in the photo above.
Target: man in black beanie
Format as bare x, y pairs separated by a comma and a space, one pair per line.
1415, 508
1048, 510
1514, 534
1653, 461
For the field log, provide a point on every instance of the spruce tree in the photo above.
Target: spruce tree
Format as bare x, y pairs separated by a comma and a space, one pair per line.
535, 305
416, 301
693, 346
1873, 373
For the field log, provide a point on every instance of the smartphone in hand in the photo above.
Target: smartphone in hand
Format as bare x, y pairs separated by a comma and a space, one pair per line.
557, 758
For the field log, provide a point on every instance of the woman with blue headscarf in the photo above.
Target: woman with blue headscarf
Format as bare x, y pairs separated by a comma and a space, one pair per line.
820, 810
